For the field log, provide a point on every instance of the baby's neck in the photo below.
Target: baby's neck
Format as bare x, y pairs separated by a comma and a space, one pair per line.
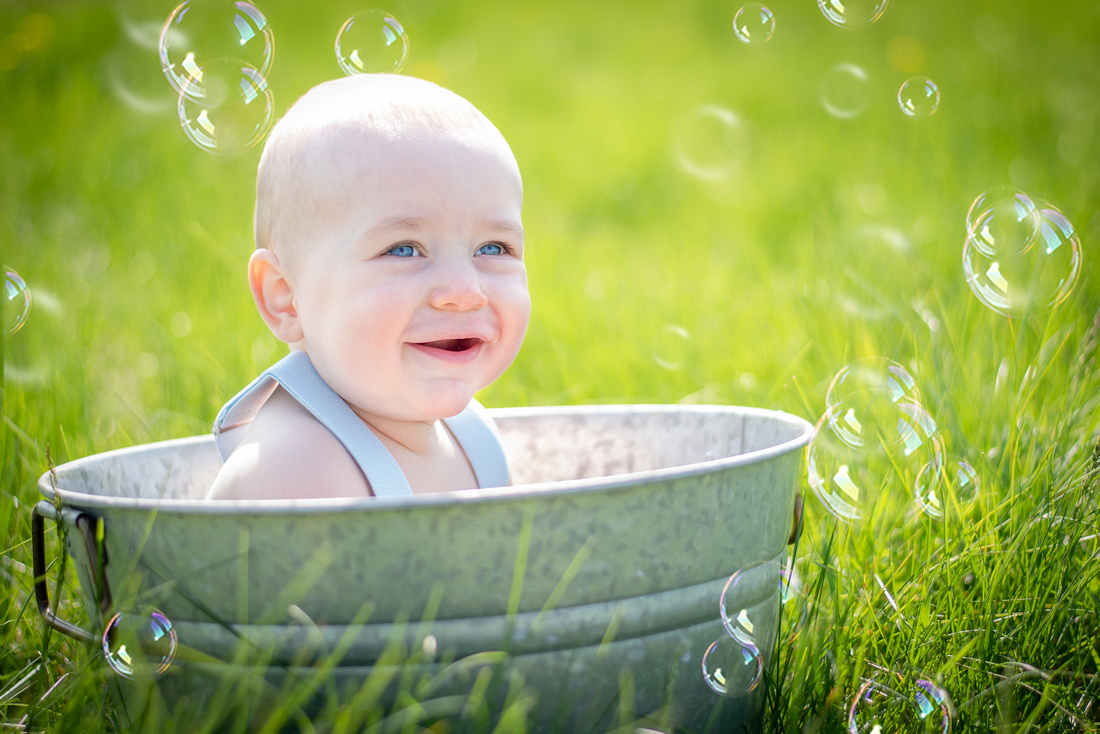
427, 453
425, 439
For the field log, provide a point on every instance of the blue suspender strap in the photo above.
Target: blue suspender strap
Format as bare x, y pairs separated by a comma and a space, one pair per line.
296, 374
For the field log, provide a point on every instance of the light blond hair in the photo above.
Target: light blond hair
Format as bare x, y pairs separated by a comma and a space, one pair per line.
302, 151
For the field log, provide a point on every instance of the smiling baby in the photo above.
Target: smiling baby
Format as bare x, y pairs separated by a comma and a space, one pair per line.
390, 258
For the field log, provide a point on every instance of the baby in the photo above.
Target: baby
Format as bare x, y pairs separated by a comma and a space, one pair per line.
390, 258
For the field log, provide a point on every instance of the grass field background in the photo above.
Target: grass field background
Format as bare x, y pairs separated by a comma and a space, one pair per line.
828, 239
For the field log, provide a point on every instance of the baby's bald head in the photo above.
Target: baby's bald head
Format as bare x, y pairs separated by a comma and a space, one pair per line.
330, 135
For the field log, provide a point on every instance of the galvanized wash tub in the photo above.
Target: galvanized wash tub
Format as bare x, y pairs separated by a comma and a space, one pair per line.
597, 576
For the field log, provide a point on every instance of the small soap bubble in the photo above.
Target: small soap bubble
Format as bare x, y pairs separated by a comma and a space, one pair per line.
735, 617
1029, 281
670, 347
933, 707
732, 667
753, 24
231, 112
139, 646
942, 485
370, 42
709, 143
852, 13
844, 91
918, 97
864, 396
197, 33
878, 709
17, 304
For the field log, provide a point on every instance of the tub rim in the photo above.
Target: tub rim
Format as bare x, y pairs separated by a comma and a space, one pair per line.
466, 496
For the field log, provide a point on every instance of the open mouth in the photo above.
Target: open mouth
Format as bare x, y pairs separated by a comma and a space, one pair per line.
453, 345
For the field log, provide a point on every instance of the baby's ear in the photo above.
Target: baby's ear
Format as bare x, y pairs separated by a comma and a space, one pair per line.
274, 296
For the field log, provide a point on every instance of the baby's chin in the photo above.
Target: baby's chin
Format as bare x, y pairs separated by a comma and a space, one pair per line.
427, 411
448, 409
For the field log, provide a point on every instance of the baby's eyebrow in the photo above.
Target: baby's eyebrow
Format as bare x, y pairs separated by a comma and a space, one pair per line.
404, 223
505, 226
417, 224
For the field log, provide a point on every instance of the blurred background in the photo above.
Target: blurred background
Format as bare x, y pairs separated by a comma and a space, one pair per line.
707, 219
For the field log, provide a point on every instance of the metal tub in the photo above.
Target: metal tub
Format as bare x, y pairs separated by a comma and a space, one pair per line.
596, 578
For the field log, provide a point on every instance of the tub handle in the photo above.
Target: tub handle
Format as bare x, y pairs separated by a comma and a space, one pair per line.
796, 521
86, 525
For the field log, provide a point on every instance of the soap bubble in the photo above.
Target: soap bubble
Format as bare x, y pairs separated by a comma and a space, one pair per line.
942, 485
864, 395
850, 474
753, 24
852, 13
840, 475
226, 108
732, 667
709, 143
844, 91
933, 706
918, 97
1003, 220
670, 347
877, 709
197, 33
735, 618
1026, 281
18, 300
139, 646
371, 41
794, 604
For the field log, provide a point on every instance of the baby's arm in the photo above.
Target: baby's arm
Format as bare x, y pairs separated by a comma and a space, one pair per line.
288, 454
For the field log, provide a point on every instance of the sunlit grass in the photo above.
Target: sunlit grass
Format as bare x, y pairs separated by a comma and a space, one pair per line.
830, 240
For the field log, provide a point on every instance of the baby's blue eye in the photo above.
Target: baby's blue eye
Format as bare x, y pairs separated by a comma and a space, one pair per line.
403, 250
492, 248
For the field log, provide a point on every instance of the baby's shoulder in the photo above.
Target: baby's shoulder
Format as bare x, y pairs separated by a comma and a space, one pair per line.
288, 454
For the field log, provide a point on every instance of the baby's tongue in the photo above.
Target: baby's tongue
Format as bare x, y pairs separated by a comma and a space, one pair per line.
451, 345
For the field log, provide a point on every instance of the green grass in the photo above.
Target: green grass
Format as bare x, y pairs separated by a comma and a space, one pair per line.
134, 242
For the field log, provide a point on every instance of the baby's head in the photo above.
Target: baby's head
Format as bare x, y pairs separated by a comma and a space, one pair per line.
390, 244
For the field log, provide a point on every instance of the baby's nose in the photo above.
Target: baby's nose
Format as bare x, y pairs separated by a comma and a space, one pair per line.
459, 288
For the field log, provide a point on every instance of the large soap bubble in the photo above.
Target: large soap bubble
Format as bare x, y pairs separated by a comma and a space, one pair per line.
197, 33
226, 108
920, 707
864, 395
1020, 257
874, 428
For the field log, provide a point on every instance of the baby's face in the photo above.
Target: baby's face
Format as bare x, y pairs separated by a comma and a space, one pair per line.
409, 284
